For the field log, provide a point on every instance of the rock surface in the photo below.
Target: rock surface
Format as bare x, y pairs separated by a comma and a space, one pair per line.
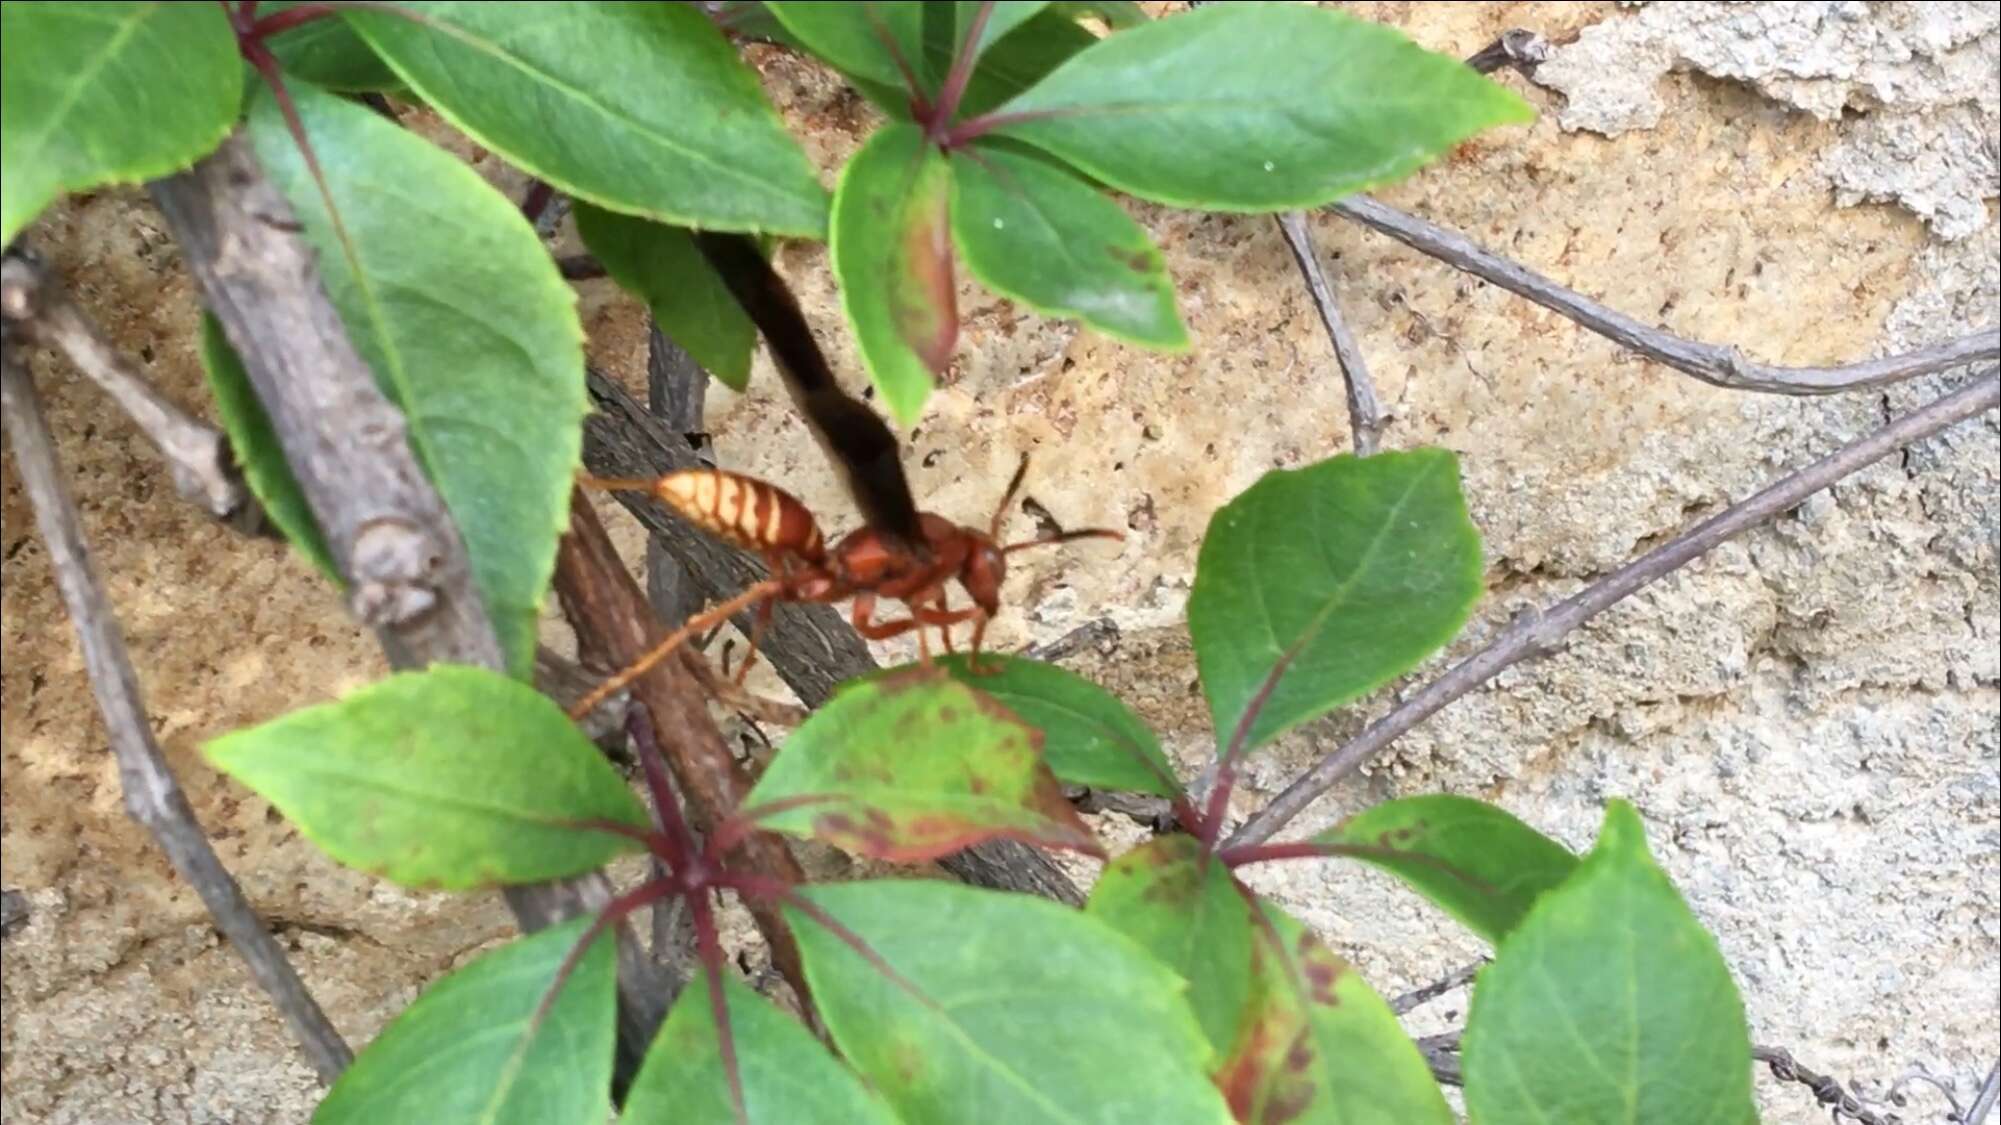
1807, 718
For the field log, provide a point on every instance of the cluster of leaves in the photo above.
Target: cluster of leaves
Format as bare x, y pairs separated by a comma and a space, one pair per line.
1178, 994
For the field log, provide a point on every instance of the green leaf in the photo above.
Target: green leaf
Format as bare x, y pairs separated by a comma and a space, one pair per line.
1476, 862
1326, 582
661, 265
891, 252
451, 298
108, 93
913, 766
1003, 1008
1257, 107
453, 777
1116, 14
329, 54
787, 1075
1609, 1003
855, 38
641, 108
1320, 1047
257, 450
1035, 233
1184, 908
1089, 737
467, 1050
1020, 59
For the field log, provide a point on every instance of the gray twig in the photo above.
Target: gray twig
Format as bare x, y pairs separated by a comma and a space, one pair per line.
389, 531
152, 796
1099, 632
1418, 997
1366, 416
1713, 364
1538, 631
1519, 48
1983, 1102
810, 646
1826, 1090
204, 469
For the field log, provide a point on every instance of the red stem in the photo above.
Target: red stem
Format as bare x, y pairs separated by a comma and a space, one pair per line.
710, 946
645, 894
920, 108
286, 20
734, 830
763, 886
954, 89
681, 842
1260, 853
967, 132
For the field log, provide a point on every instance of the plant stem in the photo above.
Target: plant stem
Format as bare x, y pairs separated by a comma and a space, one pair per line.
1537, 631
152, 795
954, 89
1366, 416
1717, 365
278, 22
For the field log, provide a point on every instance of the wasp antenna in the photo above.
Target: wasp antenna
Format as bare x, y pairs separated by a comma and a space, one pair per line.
617, 484
1013, 486
1065, 537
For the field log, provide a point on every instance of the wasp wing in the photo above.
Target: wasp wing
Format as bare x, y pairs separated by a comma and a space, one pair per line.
853, 436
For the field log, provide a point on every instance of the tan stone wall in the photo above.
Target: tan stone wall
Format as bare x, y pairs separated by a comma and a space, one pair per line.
1807, 718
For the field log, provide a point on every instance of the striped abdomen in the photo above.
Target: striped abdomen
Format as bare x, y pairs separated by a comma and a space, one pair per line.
742, 511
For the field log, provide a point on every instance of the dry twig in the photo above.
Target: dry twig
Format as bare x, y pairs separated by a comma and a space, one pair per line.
1983, 1102
204, 469
1537, 631
386, 526
1366, 416
152, 796
1418, 997
1826, 1090
1713, 364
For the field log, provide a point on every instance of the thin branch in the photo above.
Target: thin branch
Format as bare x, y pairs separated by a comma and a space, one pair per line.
1418, 997
1366, 415
1827, 1091
1717, 365
603, 602
204, 469
810, 646
1983, 1102
152, 796
386, 526
1536, 632
1099, 632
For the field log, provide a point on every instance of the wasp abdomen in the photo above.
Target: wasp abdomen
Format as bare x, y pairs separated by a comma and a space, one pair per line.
742, 511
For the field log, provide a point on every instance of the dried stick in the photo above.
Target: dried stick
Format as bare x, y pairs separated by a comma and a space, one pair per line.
152, 796
1713, 364
604, 603
1418, 997
810, 646
386, 526
1826, 1090
1535, 632
1983, 1102
1366, 416
204, 469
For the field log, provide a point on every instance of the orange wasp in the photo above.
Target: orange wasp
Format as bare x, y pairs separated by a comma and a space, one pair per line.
898, 553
